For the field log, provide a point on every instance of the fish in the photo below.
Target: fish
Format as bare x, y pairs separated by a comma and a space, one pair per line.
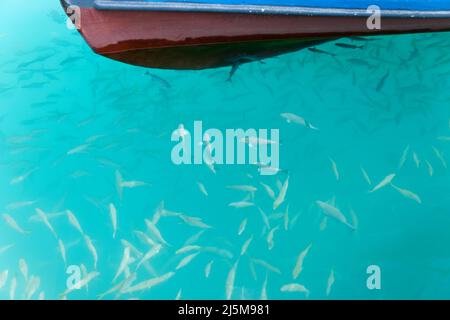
188, 248
268, 190
95, 138
264, 289
82, 283
348, 46
237, 62
119, 186
91, 249
154, 230
246, 245
366, 176
18, 205
126, 257
32, 286
382, 81
241, 204
387, 180
84, 273
13, 224
245, 188
264, 217
295, 287
23, 267
330, 282
286, 218
355, 221
186, 260
162, 82
144, 238
147, 284
221, 252
133, 184
315, 50
22, 177
133, 249
208, 269
242, 226
333, 212
49, 216
12, 288
3, 278
255, 141
323, 224
74, 221
6, 248
266, 265
298, 268
79, 149
430, 168
194, 222
408, 194
45, 220
270, 237
150, 254
229, 286
403, 157
62, 250
335, 169
416, 159
282, 195
293, 118
440, 157
202, 188
178, 297
113, 217
251, 266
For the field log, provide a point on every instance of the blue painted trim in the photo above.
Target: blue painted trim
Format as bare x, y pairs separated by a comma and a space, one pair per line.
286, 7
415, 5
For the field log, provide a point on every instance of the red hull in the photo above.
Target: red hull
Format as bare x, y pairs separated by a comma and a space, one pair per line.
196, 40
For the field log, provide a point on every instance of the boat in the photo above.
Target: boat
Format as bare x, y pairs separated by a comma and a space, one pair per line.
199, 34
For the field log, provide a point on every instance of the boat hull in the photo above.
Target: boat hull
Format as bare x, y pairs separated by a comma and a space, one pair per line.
198, 40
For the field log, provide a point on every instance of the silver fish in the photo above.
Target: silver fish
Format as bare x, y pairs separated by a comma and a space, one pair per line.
45, 220
13, 224
74, 221
145, 285
299, 264
387, 180
186, 260
91, 249
334, 212
295, 287
408, 194
229, 286
282, 195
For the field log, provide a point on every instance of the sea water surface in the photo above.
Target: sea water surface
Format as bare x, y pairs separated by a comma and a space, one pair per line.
72, 122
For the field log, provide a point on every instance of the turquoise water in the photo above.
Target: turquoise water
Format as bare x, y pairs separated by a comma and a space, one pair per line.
369, 106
